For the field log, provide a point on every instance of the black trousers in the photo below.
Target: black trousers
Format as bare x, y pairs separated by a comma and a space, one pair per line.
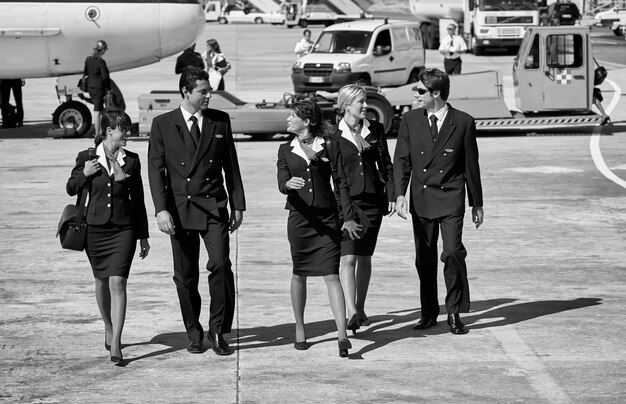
6, 85
426, 234
452, 66
186, 253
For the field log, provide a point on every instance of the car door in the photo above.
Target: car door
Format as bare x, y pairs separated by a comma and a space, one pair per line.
565, 76
383, 64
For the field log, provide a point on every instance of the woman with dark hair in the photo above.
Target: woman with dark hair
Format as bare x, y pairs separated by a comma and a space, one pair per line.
369, 173
306, 166
116, 218
216, 64
98, 81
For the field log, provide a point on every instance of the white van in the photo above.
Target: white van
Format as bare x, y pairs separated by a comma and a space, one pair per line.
377, 52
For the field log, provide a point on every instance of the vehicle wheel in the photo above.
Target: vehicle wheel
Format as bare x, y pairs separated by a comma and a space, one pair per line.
379, 109
73, 114
364, 80
303, 23
222, 20
414, 77
258, 20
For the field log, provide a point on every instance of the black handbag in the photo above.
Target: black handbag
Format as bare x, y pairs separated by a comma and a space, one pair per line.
599, 74
72, 229
82, 84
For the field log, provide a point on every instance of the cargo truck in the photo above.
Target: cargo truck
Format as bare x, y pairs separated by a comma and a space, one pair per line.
483, 23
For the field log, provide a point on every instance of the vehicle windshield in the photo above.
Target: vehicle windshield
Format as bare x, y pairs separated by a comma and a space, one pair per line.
507, 5
343, 42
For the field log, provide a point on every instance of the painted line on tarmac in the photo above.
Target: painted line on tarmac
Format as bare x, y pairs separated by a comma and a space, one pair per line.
594, 142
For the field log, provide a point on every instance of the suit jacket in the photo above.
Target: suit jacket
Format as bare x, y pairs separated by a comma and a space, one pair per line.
97, 73
368, 171
121, 203
186, 180
317, 191
439, 171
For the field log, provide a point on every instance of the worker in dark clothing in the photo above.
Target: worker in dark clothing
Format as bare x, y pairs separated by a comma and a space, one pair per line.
189, 57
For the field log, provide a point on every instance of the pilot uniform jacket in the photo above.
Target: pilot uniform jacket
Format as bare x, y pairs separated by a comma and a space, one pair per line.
439, 171
121, 203
187, 180
369, 171
317, 191
97, 73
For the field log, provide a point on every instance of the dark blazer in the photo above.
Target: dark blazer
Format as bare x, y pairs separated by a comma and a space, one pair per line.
439, 171
317, 192
97, 73
187, 181
121, 203
370, 171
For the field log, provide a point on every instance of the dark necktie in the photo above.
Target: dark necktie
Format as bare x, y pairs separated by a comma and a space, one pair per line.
195, 130
433, 127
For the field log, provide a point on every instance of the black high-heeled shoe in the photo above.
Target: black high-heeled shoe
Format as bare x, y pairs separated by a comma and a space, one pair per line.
118, 360
344, 345
301, 346
107, 346
353, 324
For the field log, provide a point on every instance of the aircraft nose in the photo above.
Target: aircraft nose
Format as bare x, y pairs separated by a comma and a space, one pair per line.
180, 25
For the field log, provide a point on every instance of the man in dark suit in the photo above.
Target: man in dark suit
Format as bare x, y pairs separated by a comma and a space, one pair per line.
191, 154
437, 151
189, 57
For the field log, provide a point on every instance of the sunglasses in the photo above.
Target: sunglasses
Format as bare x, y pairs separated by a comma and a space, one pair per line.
421, 91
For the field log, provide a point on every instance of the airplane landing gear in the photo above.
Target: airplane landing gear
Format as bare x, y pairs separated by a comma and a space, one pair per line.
73, 114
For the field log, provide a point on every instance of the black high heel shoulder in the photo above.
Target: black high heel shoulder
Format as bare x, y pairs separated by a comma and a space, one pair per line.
353, 324
344, 345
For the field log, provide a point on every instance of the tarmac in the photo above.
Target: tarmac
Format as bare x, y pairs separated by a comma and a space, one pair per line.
546, 271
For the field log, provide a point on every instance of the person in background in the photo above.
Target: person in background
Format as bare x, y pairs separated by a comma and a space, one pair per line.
116, 218
15, 85
216, 64
369, 173
98, 80
304, 45
451, 47
437, 153
189, 57
306, 168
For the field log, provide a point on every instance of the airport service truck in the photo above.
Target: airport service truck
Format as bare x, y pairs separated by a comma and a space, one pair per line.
303, 13
483, 23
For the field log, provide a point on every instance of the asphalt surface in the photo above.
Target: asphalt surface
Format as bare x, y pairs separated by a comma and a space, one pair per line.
546, 272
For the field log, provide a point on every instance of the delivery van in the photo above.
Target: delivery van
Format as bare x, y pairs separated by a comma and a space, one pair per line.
376, 52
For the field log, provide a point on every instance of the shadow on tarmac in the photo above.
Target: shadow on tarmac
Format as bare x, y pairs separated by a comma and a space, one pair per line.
385, 329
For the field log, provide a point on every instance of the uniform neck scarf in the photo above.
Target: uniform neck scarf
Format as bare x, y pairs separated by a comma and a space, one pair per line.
361, 143
112, 162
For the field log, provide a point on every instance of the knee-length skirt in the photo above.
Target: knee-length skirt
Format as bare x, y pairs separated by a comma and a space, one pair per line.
110, 249
370, 208
314, 237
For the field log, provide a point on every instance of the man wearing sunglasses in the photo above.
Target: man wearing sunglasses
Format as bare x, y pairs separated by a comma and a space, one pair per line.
437, 152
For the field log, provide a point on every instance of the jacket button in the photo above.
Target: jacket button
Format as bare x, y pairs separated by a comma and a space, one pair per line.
309, 180
442, 188
425, 186
421, 152
183, 163
108, 205
188, 196
109, 184
207, 179
441, 171
360, 163
188, 179
445, 154
210, 161
424, 170
310, 190
109, 195
308, 169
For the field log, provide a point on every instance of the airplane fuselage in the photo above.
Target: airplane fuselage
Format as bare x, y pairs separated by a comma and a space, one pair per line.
52, 38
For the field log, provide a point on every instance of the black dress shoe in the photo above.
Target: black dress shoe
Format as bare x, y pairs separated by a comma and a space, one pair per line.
118, 361
301, 346
220, 346
194, 347
424, 323
456, 325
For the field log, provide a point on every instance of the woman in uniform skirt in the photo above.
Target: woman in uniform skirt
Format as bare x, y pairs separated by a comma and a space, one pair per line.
369, 175
116, 219
306, 168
